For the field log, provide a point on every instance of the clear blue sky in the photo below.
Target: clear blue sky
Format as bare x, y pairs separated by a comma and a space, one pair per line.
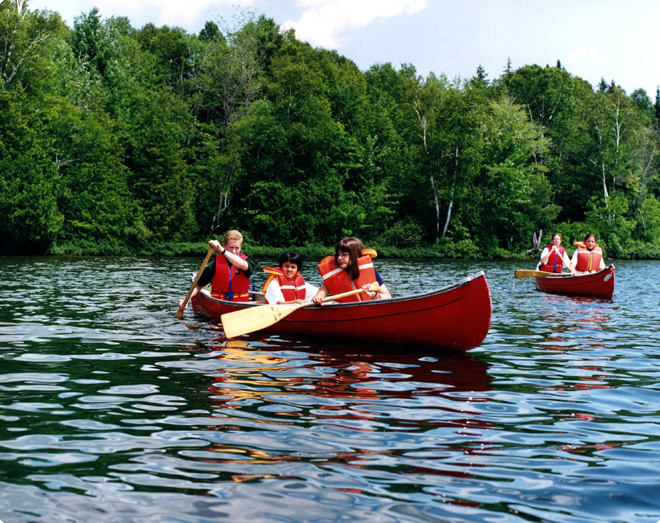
615, 39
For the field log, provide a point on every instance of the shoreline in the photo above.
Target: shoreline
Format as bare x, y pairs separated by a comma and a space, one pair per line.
448, 251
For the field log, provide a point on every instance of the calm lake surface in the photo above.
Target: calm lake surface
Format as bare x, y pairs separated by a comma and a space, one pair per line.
111, 410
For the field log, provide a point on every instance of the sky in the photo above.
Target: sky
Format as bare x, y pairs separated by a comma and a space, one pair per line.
612, 39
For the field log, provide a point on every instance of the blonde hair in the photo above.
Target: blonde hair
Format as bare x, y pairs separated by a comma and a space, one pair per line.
232, 235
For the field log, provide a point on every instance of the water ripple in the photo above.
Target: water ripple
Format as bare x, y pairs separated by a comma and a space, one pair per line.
112, 410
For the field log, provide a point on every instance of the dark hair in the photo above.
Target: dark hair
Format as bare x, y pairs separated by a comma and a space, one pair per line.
291, 257
556, 234
590, 235
353, 247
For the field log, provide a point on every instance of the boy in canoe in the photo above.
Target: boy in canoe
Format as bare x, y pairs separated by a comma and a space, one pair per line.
285, 285
229, 273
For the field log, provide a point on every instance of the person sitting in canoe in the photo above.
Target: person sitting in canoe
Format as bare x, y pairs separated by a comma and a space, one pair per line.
588, 257
554, 257
285, 285
350, 268
229, 273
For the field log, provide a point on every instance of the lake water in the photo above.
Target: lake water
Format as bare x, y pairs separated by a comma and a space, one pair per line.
111, 410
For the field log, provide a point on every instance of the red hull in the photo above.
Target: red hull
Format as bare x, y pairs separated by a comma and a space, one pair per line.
455, 317
597, 285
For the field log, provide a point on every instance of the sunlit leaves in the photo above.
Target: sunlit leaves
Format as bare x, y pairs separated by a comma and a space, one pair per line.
127, 137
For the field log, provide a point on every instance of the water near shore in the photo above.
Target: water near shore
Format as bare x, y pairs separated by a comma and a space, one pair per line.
111, 410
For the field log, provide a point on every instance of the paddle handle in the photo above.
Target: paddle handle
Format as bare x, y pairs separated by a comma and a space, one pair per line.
339, 296
192, 287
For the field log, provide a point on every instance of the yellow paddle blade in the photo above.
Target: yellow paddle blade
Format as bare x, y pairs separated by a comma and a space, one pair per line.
255, 318
523, 273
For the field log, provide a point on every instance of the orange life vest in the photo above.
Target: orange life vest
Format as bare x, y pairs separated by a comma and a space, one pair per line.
337, 280
229, 282
587, 260
291, 289
555, 261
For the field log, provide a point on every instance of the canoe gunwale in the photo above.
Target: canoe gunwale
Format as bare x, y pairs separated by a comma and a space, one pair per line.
408, 298
567, 276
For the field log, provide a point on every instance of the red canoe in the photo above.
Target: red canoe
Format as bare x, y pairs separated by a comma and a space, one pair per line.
597, 285
455, 317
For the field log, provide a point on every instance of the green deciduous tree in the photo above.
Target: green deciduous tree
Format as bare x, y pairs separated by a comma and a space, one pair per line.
28, 180
126, 137
517, 194
22, 34
160, 179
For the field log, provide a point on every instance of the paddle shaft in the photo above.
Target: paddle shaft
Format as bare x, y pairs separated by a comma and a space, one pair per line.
343, 295
524, 273
329, 298
253, 319
194, 283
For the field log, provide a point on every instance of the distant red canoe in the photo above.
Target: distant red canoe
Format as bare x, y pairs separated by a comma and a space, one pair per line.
597, 285
455, 317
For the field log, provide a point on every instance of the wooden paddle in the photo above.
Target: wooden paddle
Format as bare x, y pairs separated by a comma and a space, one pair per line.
257, 318
523, 273
192, 287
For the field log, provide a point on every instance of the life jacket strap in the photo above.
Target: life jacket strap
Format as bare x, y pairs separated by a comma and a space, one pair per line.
229, 296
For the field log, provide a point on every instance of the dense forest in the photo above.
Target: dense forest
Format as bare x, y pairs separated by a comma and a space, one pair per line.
118, 140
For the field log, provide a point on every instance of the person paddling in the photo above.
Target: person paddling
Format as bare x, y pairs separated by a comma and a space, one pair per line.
350, 268
554, 257
285, 285
588, 257
229, 274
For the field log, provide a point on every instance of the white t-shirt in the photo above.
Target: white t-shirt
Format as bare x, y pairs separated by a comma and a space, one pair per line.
545, 252
575, 258
274, 293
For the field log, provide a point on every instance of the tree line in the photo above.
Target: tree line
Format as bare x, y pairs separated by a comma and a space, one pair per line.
115, 139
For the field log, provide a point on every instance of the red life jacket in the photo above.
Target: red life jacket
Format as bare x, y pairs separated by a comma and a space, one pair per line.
337, 280
291, 289
229, 282
588, 261
555, 261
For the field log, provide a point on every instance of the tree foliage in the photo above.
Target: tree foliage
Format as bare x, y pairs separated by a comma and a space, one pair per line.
126, 138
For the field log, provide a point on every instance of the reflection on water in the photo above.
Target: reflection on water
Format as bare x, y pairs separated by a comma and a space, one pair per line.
112, 410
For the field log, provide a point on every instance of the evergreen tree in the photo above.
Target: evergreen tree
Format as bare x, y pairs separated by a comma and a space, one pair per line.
211, 33
481, 76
